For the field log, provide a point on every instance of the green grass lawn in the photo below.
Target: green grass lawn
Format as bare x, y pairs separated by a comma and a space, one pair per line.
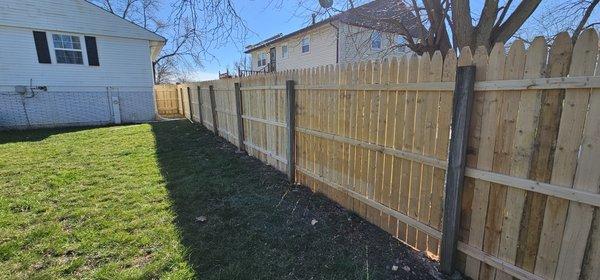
121, 203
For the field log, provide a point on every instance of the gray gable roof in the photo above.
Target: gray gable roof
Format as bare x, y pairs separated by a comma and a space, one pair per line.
76, 16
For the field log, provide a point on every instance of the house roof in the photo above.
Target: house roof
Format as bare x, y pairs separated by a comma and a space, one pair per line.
74, 16
391, 16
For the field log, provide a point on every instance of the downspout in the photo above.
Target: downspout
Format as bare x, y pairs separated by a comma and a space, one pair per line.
337, 47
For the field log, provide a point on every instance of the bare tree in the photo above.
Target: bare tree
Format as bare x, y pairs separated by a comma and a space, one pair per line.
193, 28
572, 16
165, 71
446, 24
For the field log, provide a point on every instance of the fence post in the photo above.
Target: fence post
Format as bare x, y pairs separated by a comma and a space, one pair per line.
291, 127
461, 117
213, 108
238, 111
189, 96
200, 106
180, 95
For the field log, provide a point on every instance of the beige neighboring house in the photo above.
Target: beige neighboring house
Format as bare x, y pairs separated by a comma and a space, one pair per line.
370, 31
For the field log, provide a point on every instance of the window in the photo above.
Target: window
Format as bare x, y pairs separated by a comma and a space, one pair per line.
67, 49
305, 45
284, 51
262, 59
376, 40
401, 44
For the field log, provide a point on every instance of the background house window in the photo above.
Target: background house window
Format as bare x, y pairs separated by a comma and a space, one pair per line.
376, 40
305, 45
401, 44
284, 51
67, 49
262, 59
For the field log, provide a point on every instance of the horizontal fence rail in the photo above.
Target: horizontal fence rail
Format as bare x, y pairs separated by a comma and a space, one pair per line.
375, 136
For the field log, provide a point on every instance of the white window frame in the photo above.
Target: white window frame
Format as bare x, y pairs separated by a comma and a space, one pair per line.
53, 49
262, 56
285, 54
400, 40
307, 38
376, 35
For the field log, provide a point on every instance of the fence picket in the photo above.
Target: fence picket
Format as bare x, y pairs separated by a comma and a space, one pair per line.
390, 191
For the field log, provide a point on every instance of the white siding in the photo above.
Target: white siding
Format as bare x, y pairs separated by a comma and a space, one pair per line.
322, 50
77, 94
123, 63
76, 16
355, 45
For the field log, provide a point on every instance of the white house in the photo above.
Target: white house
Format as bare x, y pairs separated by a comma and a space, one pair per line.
361, 33
69, 62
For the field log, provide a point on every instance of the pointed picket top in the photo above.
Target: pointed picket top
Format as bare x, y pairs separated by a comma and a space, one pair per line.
535, 61
402, 69
368, 72
413, 68
393, 77
515, 61
496, 63
585, 48
449, 71
436, 66
424, 62
353, 73
480, 60
466, 57
376, 72
336, 72
385, 66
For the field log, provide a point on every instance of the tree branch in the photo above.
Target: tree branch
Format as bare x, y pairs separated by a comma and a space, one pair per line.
585, 18
515, 21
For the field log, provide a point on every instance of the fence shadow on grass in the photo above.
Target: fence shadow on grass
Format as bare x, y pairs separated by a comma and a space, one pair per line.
258, 226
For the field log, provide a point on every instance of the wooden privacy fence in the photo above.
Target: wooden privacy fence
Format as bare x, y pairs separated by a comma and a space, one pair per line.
374, 137
167, 100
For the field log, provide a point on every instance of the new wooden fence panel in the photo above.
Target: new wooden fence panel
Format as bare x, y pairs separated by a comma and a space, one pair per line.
362, 164
541, 165
480, 60
390, 76
167, 99
565, 158
374, 135
409, 189
481, 193
398, 179
206, 110
441, 147
184, 103
503, 152
522, 151
587, 176
194, 102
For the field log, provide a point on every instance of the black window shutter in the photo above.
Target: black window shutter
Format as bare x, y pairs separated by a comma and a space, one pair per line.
92, 51
41, 46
